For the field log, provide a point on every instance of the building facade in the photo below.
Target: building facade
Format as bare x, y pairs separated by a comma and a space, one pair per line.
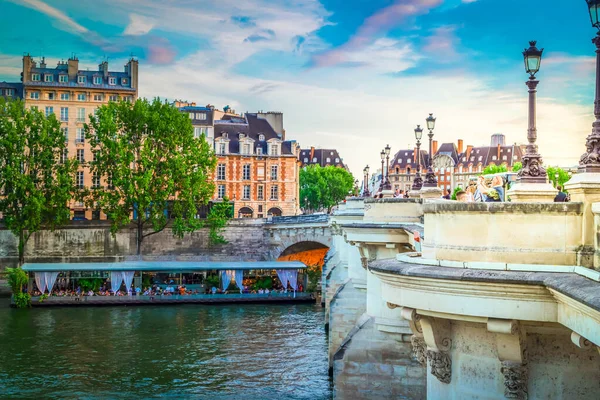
257, 170
322, 157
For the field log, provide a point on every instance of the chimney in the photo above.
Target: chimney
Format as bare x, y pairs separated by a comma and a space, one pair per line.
28, 64
73, 67
312, 153
132, 70
498, 154
103, 67
434, 149
43, 62
460, 146
469, 149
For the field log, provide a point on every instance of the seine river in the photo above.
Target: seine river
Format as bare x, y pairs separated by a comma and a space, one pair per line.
203, 352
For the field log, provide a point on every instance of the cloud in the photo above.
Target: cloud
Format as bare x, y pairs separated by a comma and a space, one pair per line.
160, 54
243, 21
266, 34
468, 1
442, 43
375, 25
139, 25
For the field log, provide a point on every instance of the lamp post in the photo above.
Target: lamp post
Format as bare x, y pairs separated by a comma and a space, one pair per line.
388, 185
532, 171
590, 160
556, 179
366, 192
430, 179
418, 181
382, 154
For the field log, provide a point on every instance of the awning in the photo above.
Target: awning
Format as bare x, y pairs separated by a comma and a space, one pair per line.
162, 266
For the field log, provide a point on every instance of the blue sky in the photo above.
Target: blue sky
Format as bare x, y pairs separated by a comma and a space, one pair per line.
349, 74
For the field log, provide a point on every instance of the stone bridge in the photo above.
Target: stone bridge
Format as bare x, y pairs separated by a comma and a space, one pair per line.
286, 235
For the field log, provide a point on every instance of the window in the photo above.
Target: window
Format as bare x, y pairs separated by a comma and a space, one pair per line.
191, 115
64, 155
113, 97
81, 79
508, 150
328, 160
80, 179
305, 159
274, 171
98, 97
94, 156
337, 160
241, 135
124, 81
314, 159
494, 158
221, 192
246, 192
246, 172
261, 137
95, 180
80, 155
259, 151
246, 148
260, 194
9, 92
48, 78
62, 78
225, 135
221, 172
408, 161
64, 96
51, 96
81, 115
201, 116
274, 150
274, 192
112, 80
442, 178
97, 80
515, 157
198, 132
480, 157
80, 136
81, 96
49, 111
64, 114
222, 148
127, 98
65, 132
35, 77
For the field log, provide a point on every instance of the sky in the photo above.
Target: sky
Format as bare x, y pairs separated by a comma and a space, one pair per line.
353, 75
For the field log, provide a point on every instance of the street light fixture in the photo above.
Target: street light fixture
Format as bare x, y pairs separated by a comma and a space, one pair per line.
590, 160
556, 179
382, 154
430, 179
418, 181
388, 185
532, 171
366, 192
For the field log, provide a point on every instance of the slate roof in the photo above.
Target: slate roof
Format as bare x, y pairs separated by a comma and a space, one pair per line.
400, 159
16, 86
72, 83
321, 156
487, 154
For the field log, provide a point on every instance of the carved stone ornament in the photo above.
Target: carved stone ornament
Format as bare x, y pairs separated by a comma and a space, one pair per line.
441, 365
515, 380
364, 261
419, 349
532, 169
417, 182
430, 179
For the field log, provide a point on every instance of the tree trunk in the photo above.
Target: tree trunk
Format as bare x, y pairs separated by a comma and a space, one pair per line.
21, 248
140, 236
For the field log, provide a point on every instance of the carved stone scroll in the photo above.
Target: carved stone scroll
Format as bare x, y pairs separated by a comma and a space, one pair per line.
512, 353
419, 349
441, 365
515, 380
437, 349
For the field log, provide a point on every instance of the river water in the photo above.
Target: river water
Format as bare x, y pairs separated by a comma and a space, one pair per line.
188, 351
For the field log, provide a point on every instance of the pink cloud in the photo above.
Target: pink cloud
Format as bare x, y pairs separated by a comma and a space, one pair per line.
378, 23
160, 54
442, 43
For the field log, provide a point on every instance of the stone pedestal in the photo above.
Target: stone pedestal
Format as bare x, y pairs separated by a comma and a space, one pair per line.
585, 188
430, 192
414, 194
524, 192
387, 194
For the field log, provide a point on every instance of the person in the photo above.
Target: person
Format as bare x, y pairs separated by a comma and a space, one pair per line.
561, 196
301, 288
214, 290
447, 195
480, 193
492, 196
462, 196
498, 186
137, 291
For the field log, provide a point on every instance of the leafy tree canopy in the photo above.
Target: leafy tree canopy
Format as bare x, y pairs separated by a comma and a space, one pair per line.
563, 176
36, 182
152, 165
494, 169
323, 188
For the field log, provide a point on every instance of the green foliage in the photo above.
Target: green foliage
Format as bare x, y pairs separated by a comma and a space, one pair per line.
22, 300
147, 152
456, 190
146, 282
494, 169
563, 176
314, 275
43, 297
324, 188
517, 166
219, 214
17, 278
263, 283
212, 281
88, 284
37, 185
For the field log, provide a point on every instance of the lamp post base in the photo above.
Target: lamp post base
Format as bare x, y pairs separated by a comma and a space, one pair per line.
431, 192
532, 192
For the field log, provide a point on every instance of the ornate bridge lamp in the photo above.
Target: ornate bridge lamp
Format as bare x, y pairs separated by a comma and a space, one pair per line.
532, 184
388, 185
382, 154
418, 181
430, 179
366, 192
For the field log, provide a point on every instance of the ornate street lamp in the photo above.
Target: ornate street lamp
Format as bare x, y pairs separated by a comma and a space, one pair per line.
556, 179
388, 185
532, 170
382, 154
366, 192
418, 182
430, 179
590, 160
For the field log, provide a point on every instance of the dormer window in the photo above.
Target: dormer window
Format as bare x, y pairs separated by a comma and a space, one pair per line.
337, 160
124, 81
48, 78
305, 159
494, 158
242, 136
225, 135
62, 78
328, 160
81, 79
112, 80
35, 77
400, 161
259, 151
274, 149
261, 137
314, 159
97, 80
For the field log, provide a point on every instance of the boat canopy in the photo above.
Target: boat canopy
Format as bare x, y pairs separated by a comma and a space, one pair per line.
162, 266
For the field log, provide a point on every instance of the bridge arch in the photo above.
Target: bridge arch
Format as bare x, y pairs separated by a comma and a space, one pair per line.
275, 212
245, 212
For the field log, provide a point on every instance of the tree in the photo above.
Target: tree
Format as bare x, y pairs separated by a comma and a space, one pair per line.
494, 169
323, 188
563, 176
37, 182
456, 190
17, 278
217, 218
152, 165
517, 166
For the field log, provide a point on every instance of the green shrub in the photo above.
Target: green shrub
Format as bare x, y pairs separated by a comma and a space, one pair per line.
17, 278
92, 284
22, 300
42, 298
